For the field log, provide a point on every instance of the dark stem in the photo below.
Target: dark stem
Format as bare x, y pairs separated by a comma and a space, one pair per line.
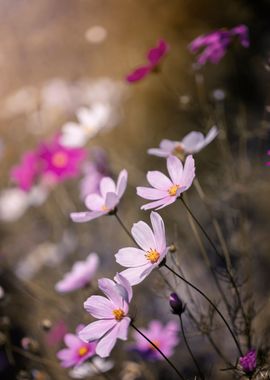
210, 302
189, 349
161, 353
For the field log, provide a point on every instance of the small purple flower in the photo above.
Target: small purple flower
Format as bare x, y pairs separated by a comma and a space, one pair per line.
152, 242
176, 304
106, 201
166, 190
25, 174
154, 57
248, 362
77, 351
165, 337
216, 44
192, 143
80, 275
111, 312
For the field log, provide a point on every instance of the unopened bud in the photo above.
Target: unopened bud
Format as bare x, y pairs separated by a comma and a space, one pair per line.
176, 304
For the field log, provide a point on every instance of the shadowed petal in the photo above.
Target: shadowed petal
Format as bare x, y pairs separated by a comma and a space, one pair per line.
96, 330
81, 217
108, 287
136, 275
99, 307
94, 202
125, 284
121, 183
123, 328
159, 231
143, 235
189, 172
106, 344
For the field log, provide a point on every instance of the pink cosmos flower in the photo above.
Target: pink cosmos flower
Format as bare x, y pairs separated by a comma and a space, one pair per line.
165, 337
59, 162
154, 57
80, 275
166, 190
111, 312
26, 172
249, 361
216, 43
192, 143
106, 201
77, 351
152, 250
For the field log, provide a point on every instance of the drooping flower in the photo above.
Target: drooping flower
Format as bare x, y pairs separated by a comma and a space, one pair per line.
152, 250
216, 43
165, 190
77, 351
192, 143
165, 337
25, 173
111, 312
248, 362
154, 57
80, 275
95, 367
106, 201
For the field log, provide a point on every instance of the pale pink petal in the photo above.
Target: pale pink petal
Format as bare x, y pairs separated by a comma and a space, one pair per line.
137, 275
106, 344
175, 169
211, 135
81, 217
92, 262
167, 145
160, 203
71, 340
107, 185
96, 330
150, 193
121, 183
131, 257
109, 288
189, 172
99, 307
143, 235
158, 152
111, 200
123, 328
169, 200
94, 202
158, 180
159, 231
191, 141
125, 284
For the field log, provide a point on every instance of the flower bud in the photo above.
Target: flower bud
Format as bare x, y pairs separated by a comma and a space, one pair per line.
176, 304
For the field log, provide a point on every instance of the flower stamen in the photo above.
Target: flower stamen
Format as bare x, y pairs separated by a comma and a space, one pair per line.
83, 351
153, 256
60, 159
173, 190
118, 314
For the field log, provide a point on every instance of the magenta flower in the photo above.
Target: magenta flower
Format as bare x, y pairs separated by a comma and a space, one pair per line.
192, 143
58, 162
80, 275
26, 172
166, 190
154, 57
111, 312
77, 351
249, 361
56, 333
164, 337
268, 153
152, 250
216, 44
106, 201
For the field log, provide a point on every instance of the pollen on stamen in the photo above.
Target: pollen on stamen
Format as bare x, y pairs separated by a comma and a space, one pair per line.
173, 190
153, 256
83, 351
118, 314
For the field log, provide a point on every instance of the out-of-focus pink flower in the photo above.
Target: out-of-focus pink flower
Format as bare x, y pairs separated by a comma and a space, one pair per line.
59, 162
106, 201
166, 190
26, 172
216, 43
248, 362
80, 275
154, 57
165, 337
56, 333
141, 261
111, 312
268, 153
192, 143
77, 351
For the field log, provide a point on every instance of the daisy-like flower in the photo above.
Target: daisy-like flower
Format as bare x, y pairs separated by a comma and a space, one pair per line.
111, 312
248, 362
165, 337
166, 190
106, 201
80, 275
152, 250
216, 43
154, 57
77, 351
192, 143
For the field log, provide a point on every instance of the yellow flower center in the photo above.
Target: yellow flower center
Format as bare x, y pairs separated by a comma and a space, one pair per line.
173, 190
156, 342
83, 351
60, 159
104, 208
118, 314
152, 255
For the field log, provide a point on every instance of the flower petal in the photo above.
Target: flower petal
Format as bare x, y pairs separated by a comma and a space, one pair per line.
131, 257
81, 217
143, 235
175, 169
159, 204
137, 275
159, 231
109, 288
150, 193
122, 281
121, 183
99, 307
96, 330
189, 172
106, 344
111, 200
159, 180
158, 152
107, 185
94, 202
123, 328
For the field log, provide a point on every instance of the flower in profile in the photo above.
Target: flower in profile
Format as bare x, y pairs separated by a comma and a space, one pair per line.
77, 351
152, 250
154, 57
192, 143
165, 337
165, 190
248, 362
25, 173
111, 312
216, 44
80, 275
106, 201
